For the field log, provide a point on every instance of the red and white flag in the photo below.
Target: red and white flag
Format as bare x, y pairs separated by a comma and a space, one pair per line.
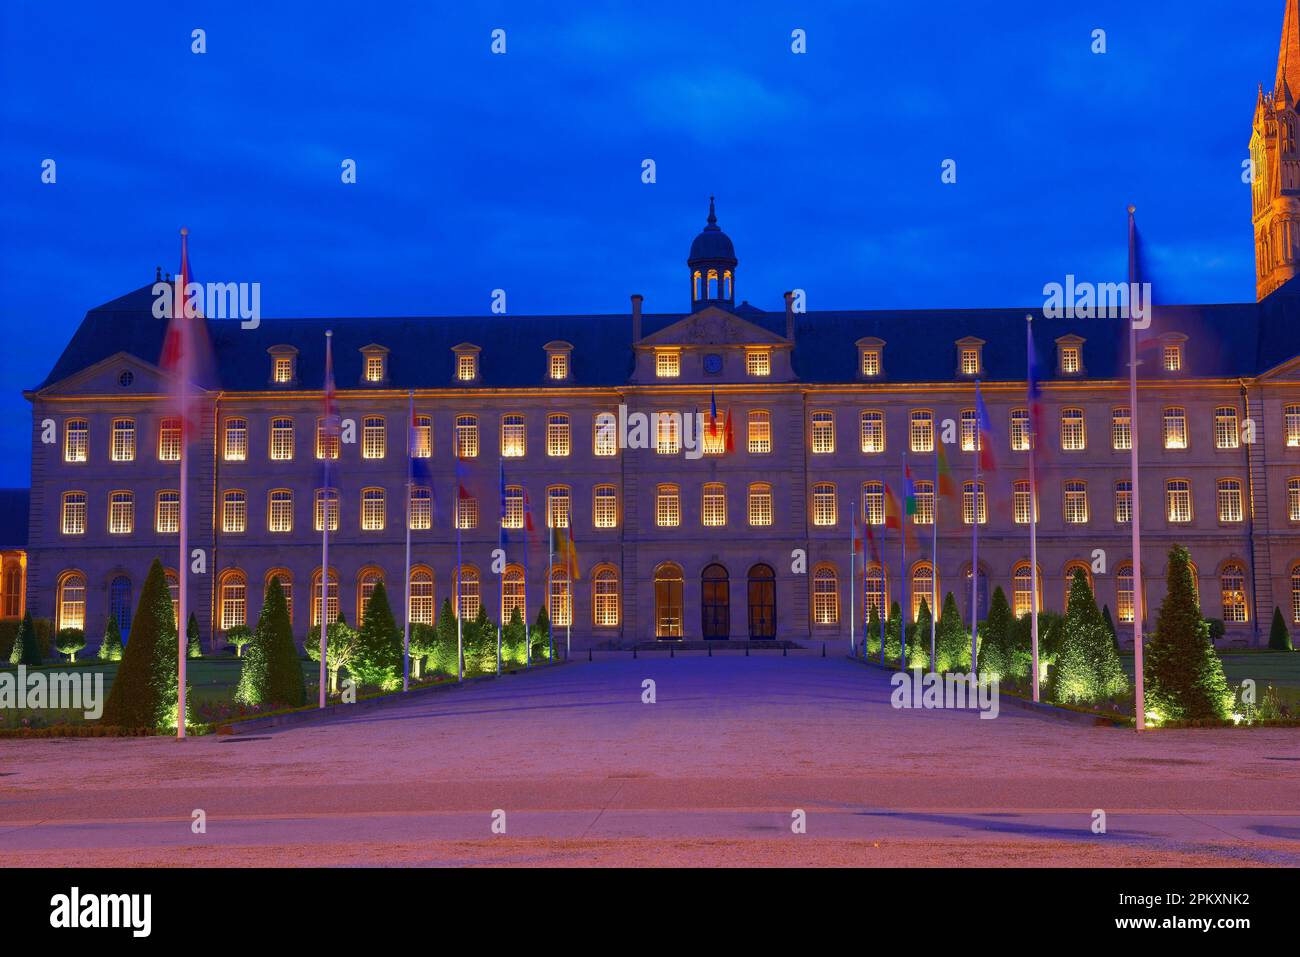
180, 350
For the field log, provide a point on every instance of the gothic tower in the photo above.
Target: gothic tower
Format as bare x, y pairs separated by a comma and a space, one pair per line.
1275, 166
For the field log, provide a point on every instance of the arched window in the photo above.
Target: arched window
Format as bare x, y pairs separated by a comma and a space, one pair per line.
13, 590
331, 598
713, 284
826, 596
286, 586
561, 595
604, 597
1124, 599
174, 590
468, 600
1022, 590
1070, 569
119, 602
1295, 593
422, 595
695, 285
668, 601
367, 579
72, 600
726, 278
874, 589
233, 603
922, 588
1233, 587
512, 594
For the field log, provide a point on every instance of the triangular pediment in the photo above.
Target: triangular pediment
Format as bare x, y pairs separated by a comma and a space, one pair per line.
713, 326
121, 374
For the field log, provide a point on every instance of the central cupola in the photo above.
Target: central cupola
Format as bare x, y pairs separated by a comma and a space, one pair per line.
712, 264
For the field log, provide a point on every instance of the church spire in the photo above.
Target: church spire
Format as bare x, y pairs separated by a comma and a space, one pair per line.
1288, 54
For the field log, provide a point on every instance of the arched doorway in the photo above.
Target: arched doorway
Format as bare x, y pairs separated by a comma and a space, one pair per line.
668, 601
762, 602
715, 602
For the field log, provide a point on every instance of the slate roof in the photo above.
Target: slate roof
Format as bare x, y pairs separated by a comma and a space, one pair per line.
1224, 341
14, 507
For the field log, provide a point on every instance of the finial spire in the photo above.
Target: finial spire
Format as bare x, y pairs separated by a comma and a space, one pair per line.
1288, 56
713, 217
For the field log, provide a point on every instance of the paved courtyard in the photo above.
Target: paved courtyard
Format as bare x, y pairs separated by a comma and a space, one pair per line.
709, 774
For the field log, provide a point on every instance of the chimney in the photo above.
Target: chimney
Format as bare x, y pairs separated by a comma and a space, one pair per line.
636, 317
789, 316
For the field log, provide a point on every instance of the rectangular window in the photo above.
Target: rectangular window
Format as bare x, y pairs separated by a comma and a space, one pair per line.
760, 433
1178, 500
467, 436
1291, 423
422, 440
1069, 360
557, 507
1175, 428
74, 513
559, 366
604, 507
668, 513
1021, 504
279, 510
326, 499
921, 431
1229, 500
283, 369
327, 443
557, 435
969, 430
1019, 430
1123, 502
873, 503
873, 431
76, 440
1226, 435
1074, 436
514, 436
466, 367
758, 362
167, 517
374, 368
1173, 358
924, 514
234, 512
823, 504
668, 430
968, 504
513, 511
668, 365
1121, 429
374, 437
1076, 503
605, 435
760, 505
823, 432
466, 512
169, 440
281, 439
1293, 499
123, 449
121, 513
373, 511
970, 361
713, 508
236, 440
871, 362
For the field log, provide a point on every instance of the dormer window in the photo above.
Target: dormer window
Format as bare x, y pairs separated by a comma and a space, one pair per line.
870, 353
758, 362
970, 359
374, 368
668, 364
466, 362
284, 365
1069, 355
1171, 357
557, 361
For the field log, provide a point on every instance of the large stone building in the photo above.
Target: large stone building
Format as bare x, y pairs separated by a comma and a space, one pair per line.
817, 412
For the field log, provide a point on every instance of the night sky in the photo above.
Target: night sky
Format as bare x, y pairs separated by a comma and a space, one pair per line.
477, 171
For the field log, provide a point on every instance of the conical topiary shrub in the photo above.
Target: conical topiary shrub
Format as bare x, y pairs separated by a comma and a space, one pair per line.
1087, 664
271, 671
444, 657
110, 649
378, 660
513, 639
541, 636
952, 640
995, 638
918, 647
193, 648
894, 634
1279, 638
1184, 676
1110, 625
145, 686
27, 649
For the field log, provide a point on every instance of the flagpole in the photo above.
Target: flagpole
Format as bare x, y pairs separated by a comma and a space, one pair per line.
550, 573
904, 578
1139, 689
501, 543
884, 581
1033, 509
410, 485
934, 553
325, 519
528, 628
183, 355
975, 539
460, 646
853, 578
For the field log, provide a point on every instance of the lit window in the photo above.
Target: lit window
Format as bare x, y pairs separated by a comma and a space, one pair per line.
121, 513
604, 506
421, 507
373, 512
874, 589
970, 361
1019, 431
466, 366
331, 598
374, 368
713, 510
282, 369
1020, 496
823, 432
1291, 420
1070, 364
234, 600
760, 504
512, 594
922, 589
557, 506
467, 436
512, 512
604, 436
467, 594
327, 442
72, 601
871, 362
466, 511
969, 430
281, 439
422, 440
123, 440
169, 440
1076, 502
873, 431
1295, 594
921, 431
1124, 593
1228, 493
668, 430
76, 440
760, 432
374, 437
561, 596
1172, 358
366, 584
557, 435
1022, 590
758, 362
1123, 502
604, 598
74, 513
924, 492
873, 503
167, 513
714, 438
234, 512
421, 586
1121, 429
823, 504
1293, 499
1233, 586
236, 440
668, 365
558, 367
1175, 428
668, 513
326, 499
279, 510
1074, 436
826, 596
968, 503
514, 436
1178, 500
1226, 435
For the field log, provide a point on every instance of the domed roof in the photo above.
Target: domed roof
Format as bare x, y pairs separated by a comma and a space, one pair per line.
712, 243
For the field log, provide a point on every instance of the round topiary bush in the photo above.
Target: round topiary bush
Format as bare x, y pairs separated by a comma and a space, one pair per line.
69, 641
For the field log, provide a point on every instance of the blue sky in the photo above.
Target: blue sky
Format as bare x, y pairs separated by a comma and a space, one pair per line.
523, 172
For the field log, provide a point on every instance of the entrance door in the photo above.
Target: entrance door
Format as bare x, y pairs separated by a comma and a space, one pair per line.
762, 602
715, 602
668, 601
